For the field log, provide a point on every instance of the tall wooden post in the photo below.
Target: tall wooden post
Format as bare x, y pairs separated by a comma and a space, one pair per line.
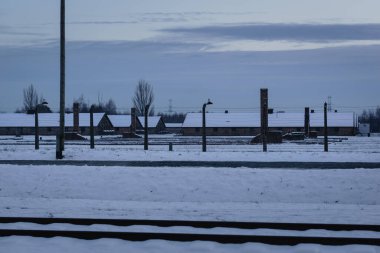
326, 143
36, 130
264, 117
307, 122
146, 127
61, 135
92, 138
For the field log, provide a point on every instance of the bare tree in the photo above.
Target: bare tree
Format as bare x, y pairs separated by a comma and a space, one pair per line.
30, 98
143, 96
110, 107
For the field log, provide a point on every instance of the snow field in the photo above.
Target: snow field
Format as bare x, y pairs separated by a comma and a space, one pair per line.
19, 244
240, 194
330, 196
354, 149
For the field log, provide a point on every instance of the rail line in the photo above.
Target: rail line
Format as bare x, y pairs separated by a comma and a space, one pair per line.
221, 238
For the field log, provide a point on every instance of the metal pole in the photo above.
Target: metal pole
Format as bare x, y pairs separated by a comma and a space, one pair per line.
36, 130
264, 117
326, 143
204, 128
92, 140
146, 127
59, 152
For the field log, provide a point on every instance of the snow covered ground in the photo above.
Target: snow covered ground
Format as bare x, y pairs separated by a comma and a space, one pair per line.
17, 244
353, 149
192, 193
327, 196
234, 194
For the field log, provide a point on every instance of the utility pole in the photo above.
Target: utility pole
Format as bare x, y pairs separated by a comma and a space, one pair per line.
36, 130
92, 139
61, 135
326, 143
264, 117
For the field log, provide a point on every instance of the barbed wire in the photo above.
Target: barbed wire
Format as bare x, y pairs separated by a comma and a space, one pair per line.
185, 109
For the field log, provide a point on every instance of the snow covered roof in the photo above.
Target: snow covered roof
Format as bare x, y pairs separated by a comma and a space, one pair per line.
46, 119
274, 120
120, 120
84, 119
152, 121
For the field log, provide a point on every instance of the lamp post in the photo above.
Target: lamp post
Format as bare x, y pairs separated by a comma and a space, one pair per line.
146, 126
36, 129
204, 125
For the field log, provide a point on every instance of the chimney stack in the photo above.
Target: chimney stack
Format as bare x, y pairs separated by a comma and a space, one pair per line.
133, 120
76, 117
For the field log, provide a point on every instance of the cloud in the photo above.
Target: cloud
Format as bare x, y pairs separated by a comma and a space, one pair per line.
8, 30
162, 17
295, 78
288, 32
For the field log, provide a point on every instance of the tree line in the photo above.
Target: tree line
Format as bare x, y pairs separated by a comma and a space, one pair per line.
30, 101
172, 117
371, 117
143, 98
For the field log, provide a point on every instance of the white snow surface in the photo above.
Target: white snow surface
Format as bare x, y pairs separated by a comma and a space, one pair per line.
18, 244
152, 121
354, 149
241, 194
234, 194
120, 120
192, 193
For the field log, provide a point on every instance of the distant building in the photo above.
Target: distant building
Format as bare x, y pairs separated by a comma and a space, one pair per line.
364, 129
155, 124
123, 123
174, 128
248, 124
23, 124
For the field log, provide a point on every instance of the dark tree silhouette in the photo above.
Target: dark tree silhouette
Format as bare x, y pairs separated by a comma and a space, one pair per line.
372, 117
30, 98
143, 96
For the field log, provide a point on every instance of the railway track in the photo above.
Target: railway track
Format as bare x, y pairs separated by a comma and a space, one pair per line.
221, 238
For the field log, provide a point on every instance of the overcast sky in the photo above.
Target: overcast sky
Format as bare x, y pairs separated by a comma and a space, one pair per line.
303, 51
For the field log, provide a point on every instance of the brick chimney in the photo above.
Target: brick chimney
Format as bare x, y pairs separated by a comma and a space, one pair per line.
133, 120
76, 117
307, 121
